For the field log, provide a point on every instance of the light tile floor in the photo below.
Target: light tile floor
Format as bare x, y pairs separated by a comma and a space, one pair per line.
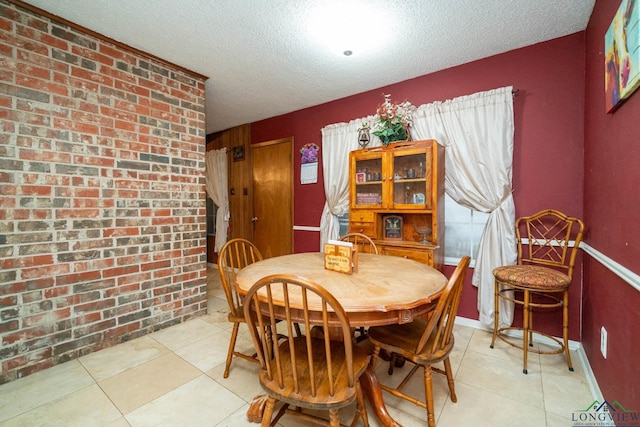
173, 377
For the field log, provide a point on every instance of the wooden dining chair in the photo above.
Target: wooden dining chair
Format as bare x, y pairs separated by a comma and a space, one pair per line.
362, 242
305, 372
234, 256
367, 246
548, 244
425, 342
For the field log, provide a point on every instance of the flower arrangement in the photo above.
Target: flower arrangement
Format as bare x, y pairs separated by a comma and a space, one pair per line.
309, 153
393, 120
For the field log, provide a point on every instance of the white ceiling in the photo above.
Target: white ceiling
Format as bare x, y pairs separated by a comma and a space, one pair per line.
263, 60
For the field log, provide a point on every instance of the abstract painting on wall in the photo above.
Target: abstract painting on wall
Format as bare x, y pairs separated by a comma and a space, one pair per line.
622, 55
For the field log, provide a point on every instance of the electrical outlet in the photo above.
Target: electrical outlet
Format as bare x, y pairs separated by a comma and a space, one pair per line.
603, 342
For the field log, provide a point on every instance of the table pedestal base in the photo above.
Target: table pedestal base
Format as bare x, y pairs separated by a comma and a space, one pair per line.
256, 409
373, 393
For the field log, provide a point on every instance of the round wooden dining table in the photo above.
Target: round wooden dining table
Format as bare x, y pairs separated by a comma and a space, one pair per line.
384, 290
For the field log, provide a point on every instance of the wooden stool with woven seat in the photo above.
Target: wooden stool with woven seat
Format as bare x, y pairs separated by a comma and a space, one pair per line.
541, 278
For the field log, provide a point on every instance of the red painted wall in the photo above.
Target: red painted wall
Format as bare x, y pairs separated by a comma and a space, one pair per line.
548, 166
612, 202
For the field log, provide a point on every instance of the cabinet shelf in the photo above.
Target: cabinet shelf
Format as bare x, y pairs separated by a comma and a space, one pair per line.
409, 180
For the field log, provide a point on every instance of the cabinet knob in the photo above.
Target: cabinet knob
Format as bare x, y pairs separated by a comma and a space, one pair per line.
362, 230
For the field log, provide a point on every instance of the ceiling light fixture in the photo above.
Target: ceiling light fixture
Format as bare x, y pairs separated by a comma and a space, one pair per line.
341, 23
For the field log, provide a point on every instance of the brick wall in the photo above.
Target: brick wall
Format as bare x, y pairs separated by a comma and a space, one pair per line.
102, 203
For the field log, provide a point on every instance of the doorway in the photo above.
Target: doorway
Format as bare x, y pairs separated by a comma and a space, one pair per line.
273, 197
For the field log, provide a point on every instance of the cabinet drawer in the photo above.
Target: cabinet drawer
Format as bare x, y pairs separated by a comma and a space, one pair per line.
362, 216
424, 256
363, 227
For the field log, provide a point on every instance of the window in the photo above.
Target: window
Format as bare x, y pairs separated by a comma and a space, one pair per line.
343, 220
462, 229
211, 217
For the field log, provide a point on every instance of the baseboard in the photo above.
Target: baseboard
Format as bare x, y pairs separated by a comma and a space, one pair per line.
573, 345
589, 376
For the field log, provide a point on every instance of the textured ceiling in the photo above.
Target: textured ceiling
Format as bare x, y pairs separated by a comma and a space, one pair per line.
263, 59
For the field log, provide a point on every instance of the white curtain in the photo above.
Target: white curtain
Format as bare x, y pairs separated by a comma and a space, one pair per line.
477, 132
337, 141
216, 185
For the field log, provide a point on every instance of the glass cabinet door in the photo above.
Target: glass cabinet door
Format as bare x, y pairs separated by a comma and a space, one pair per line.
411, 186
368, 181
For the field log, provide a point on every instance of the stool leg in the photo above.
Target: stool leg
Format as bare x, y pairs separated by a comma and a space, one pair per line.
496, 312
526, 317
565, 327
530, 323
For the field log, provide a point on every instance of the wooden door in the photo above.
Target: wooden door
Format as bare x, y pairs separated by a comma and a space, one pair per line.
273, 197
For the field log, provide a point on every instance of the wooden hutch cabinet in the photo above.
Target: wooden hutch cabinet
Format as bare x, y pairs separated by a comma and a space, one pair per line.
397, 199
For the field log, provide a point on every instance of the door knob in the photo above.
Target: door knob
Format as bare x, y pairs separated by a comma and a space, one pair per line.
254, 219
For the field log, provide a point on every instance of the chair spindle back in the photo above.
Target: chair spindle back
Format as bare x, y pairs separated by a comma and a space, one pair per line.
290, 300
439, 329
544, 239
362, 242
235, 255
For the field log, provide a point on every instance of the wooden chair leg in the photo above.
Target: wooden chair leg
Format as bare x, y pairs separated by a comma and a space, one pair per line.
392, 362
449, 373
526, 317
374, 357
428, 391
334, 417
361, 407
268, 412
395, 361
530, 323
565, 328
496, 312
232, 346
